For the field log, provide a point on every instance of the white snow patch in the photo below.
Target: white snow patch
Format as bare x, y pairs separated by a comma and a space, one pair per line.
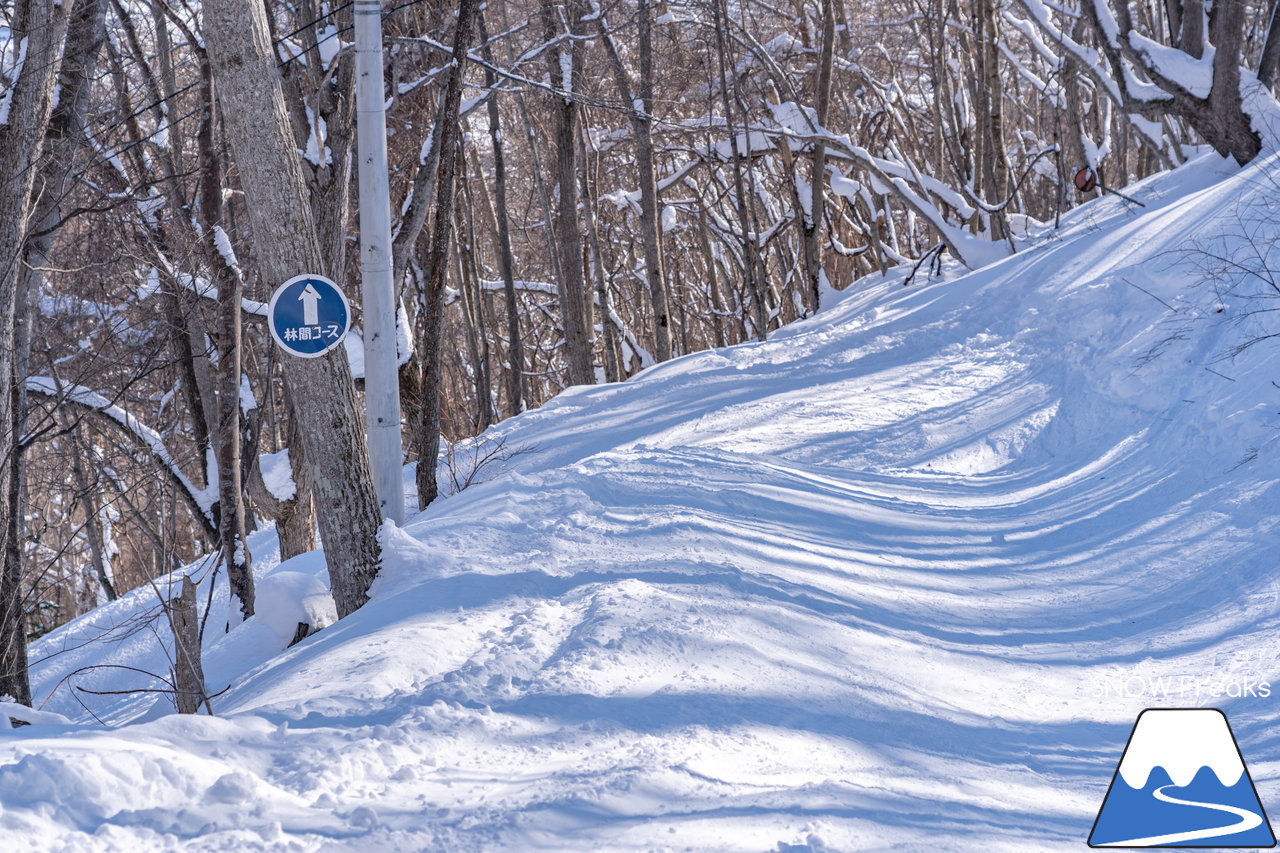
845, 187
328, 45
12, 73
247, 401
223, 244
283, 599
277, 475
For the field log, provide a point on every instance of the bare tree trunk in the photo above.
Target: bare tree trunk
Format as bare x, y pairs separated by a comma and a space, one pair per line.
427, 433
1173, 11
595, 263
63, 137
473, 302
652, 234
1225, 108
472, 308
188, 672
89, 504
562, 67
496, 223
994, 161
1191, 35
431, 312
641, 106
1219, 119
13, 626
287, 244
506, 260
812, 224
193, 369
295, 518
174, 240
1269, 62
541, 191
1073, 135
41, 27
750, 261
232, 523
229, 437
332, 99
718, 310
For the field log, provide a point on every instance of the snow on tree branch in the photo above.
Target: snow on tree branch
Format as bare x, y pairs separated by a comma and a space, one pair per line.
202, 500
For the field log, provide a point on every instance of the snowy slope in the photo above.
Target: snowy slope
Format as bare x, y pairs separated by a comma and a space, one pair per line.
900, 578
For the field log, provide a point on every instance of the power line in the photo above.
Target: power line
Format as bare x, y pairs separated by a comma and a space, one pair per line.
276, 43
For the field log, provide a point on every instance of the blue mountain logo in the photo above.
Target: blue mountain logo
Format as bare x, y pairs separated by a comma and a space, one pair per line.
1182, 783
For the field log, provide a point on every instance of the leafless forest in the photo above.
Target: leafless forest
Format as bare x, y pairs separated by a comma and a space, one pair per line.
579, 190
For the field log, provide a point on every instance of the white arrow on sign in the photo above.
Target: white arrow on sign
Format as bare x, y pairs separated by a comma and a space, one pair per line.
310, 299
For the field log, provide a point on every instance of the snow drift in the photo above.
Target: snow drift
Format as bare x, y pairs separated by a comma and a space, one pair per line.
900, 578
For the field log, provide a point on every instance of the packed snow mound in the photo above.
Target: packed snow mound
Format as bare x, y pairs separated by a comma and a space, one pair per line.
900, 578
284, 600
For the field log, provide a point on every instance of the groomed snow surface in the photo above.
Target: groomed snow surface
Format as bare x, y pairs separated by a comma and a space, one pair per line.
900, 578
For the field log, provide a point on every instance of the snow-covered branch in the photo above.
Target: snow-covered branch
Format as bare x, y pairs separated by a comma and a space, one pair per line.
201, 501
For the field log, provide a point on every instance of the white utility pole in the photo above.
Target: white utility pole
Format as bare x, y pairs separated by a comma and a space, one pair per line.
381, 377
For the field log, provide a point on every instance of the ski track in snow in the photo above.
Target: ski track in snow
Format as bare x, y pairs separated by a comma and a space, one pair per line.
871, 585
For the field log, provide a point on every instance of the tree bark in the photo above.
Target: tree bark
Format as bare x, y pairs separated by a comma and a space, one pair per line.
40, 27
1072, 136
1224, 98
287, 244
63, 137
718, 310
188, 672
421, 194
595, 263
1269, 62
431, 299
562, 66
86, 492
1191, 34
1219, 119
506, 259
294, 518
14, 680
1173, 10
172, 242
812, 224
641, 106
229, 434
472, 304
427, 433
994, 162
750, 262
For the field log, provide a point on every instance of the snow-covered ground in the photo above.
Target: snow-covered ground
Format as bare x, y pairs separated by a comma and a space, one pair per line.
900, 578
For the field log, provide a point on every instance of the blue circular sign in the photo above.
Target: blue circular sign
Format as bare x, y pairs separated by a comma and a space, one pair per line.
308, 316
